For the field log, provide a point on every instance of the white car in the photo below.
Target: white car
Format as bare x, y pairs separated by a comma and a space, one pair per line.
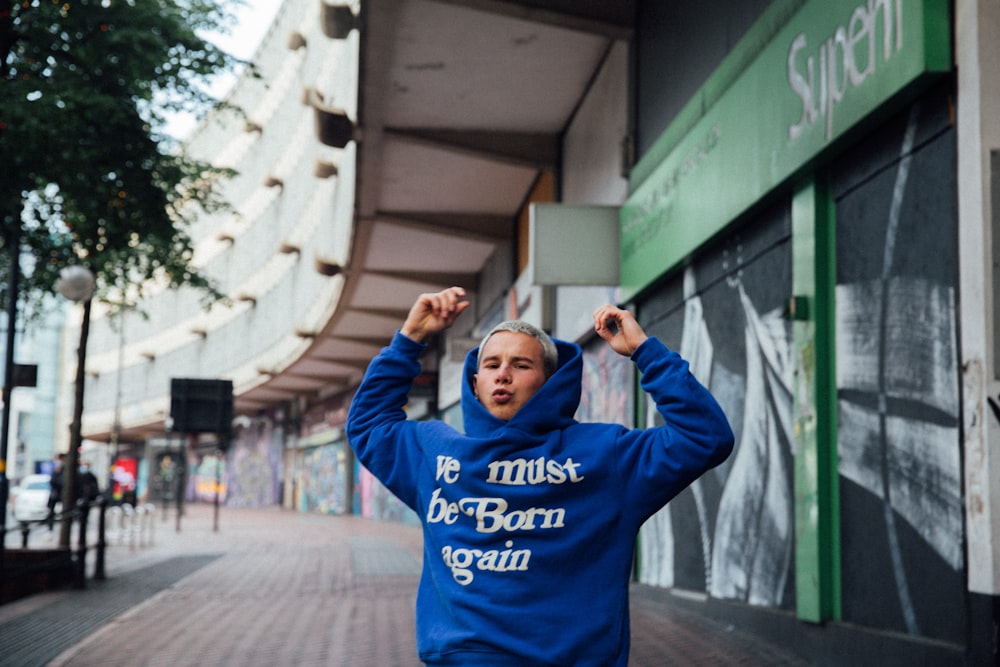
30, 498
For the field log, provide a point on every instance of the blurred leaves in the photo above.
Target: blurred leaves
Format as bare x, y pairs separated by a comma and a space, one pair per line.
84, 88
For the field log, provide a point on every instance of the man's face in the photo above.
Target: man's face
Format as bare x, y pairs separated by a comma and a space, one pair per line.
511, 370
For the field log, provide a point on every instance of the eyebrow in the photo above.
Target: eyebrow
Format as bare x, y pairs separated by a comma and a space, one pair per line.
496, 357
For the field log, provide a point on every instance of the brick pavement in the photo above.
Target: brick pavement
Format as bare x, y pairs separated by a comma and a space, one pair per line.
274, 587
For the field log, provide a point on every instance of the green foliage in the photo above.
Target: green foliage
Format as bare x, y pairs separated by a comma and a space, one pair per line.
84, 86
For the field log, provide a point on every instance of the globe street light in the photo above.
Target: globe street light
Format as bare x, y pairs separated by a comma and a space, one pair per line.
76, 283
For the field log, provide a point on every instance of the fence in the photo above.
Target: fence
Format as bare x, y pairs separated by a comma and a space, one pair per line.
28, 570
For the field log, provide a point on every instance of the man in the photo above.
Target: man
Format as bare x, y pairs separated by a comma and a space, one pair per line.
55, 488
87, 486
530, 518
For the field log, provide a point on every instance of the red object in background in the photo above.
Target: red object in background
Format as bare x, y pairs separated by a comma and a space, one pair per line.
124, 473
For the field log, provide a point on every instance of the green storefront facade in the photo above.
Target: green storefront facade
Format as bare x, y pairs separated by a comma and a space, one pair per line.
794, 233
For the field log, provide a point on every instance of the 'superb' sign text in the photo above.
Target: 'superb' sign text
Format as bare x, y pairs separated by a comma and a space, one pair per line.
843, 61
808, 74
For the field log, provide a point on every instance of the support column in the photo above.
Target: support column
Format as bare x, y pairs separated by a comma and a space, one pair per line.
817, 516
977, 55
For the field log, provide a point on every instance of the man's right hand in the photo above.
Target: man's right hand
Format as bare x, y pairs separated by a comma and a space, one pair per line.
434, 312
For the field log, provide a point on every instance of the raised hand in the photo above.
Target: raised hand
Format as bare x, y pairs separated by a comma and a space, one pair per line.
619, 328
434, 312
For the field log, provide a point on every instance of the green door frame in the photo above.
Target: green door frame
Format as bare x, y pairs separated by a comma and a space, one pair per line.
817, 497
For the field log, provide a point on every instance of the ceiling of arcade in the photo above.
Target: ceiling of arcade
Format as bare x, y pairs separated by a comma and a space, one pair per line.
462, 104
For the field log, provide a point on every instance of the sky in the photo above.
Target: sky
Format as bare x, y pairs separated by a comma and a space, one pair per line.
254, 18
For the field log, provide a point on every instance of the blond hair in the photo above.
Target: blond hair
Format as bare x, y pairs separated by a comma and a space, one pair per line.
550, 356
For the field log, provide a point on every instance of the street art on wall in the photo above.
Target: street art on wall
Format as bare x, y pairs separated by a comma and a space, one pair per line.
254, 467
607, 378
377, 502
731, 534
322, 485
755, 524
898, 381
210, 479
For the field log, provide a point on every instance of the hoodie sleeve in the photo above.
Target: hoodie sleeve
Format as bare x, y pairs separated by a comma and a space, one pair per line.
658, 463
377, 428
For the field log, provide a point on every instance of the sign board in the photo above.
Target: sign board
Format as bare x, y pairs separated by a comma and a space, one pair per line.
574, 244
25, 375
829, 68
201, 406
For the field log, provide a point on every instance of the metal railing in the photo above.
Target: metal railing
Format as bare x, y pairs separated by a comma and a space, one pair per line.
116, 524
131, 524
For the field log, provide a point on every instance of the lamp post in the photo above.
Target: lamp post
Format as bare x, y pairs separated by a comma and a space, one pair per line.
8, 383
76, 283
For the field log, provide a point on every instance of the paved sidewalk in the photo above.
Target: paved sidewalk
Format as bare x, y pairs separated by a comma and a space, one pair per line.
275, 587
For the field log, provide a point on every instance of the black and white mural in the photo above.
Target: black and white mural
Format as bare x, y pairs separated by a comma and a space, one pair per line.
731, 534
898, 378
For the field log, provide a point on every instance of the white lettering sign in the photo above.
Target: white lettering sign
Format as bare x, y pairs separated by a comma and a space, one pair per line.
843, 61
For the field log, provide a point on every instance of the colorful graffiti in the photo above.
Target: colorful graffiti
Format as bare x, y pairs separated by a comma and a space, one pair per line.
323, 479
209, 479
254, 467
376, 502
607, 379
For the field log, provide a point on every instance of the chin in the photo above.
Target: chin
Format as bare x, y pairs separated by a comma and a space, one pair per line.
505, 412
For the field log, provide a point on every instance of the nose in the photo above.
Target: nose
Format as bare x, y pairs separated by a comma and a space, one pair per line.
503, 375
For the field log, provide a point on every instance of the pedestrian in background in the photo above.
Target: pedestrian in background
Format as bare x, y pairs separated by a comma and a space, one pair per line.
55, 488
87, 486
530, 518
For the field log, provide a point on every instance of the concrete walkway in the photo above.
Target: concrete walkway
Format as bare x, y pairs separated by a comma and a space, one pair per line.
274, 587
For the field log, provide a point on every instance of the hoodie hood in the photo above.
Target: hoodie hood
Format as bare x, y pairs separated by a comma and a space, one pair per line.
552, 407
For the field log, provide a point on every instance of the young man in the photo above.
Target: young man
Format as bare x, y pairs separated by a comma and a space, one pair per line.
55, 488
530, 518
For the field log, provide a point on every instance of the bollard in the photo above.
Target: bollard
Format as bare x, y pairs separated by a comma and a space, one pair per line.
125, 522
145, 525
132, 513
101, 543
25, 529
150, 512
115, 521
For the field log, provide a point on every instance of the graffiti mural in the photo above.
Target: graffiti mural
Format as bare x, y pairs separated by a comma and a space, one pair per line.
755, 525
377, 502
731, 534
322, 485
254, 467
607, 380
898, 380
209, 478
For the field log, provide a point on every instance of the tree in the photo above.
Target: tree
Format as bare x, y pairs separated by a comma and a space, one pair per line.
85, 175
84, 169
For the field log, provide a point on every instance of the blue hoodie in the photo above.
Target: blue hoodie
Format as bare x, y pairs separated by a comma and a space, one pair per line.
530, 524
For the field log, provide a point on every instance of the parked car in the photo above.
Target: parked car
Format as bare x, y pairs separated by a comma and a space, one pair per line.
30, 498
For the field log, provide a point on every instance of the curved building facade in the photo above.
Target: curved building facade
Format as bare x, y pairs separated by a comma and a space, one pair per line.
273, 254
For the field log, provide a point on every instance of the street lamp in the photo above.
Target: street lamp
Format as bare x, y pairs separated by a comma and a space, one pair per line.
14, 243
76, 283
